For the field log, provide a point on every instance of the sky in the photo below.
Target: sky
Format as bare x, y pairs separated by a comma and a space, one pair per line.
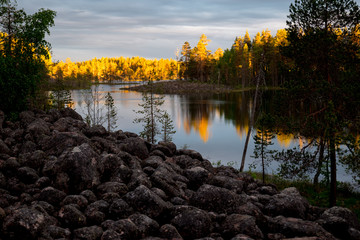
85, 29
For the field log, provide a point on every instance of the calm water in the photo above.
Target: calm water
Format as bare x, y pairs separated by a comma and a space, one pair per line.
215, 125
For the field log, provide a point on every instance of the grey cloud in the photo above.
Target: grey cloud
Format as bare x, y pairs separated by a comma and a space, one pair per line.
153, 28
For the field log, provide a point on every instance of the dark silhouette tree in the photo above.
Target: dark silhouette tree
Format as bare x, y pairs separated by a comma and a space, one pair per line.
23, 51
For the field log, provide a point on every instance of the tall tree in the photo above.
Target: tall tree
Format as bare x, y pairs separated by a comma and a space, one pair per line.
150, 114
201, 57
319, 33
110, 112
167, 127
22, 55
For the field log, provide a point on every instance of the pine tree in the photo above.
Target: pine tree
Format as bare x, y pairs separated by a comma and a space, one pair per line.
110, 112
167, 127
263, 139
151, 113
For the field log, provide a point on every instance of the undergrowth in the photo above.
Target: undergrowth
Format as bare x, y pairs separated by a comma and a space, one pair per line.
347, 196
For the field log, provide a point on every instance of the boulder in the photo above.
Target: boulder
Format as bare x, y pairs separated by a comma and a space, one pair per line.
52, 196
197, 176
4, 149
120, 209
27, 175
56, 232
38, 127
69, 112
25, 223
338, 220
88, 233
112, 187
295, 227
146, 202
219, 200
136, 147
121, 229
193, 223
230, 183
235, 224
288, 203
68, 124
58, 142
191, 153
168, 231
79, 200
80, 164
72, 217
146, 226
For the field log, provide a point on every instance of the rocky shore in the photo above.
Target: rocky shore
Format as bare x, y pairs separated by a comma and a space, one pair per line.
61, 179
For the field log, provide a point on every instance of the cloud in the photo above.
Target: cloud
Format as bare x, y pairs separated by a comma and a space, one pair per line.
152, 28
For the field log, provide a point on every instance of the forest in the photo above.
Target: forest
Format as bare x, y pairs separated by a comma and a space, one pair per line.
82, 74
316, 60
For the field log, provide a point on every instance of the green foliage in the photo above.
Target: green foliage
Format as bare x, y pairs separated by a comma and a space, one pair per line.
110, 112
295, 163
152, 116
60, 96
318, 195
263, 139
151, 113
167, 127
23, 51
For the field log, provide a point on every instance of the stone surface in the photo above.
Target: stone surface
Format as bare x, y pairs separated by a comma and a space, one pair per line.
61, 179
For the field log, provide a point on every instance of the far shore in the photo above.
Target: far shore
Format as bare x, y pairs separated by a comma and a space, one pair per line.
188, 88
181, 87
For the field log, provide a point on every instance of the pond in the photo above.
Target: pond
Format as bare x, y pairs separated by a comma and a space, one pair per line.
214, 125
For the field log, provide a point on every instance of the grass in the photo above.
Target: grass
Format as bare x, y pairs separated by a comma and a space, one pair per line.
318, 196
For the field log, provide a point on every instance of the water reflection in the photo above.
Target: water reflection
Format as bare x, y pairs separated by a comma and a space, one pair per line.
215, 125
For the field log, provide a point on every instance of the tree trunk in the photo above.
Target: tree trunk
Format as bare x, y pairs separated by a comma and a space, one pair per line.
252, 117
262, 157
333, 172
320, 162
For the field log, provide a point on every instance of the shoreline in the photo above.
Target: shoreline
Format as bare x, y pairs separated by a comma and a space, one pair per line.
181, 87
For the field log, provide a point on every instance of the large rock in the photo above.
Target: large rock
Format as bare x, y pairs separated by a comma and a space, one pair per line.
236, 224
52, 196
58, 142
288, 203
88, 233
168, 180
197, 176
25, 223
136, 147
295, 227
121, 229
193, 223
80, 165
4, 149
220, 200
72, 217
146, 226
68, 124
146, 202
69, 112
338, 221
38, 128
230, 183
111, 166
